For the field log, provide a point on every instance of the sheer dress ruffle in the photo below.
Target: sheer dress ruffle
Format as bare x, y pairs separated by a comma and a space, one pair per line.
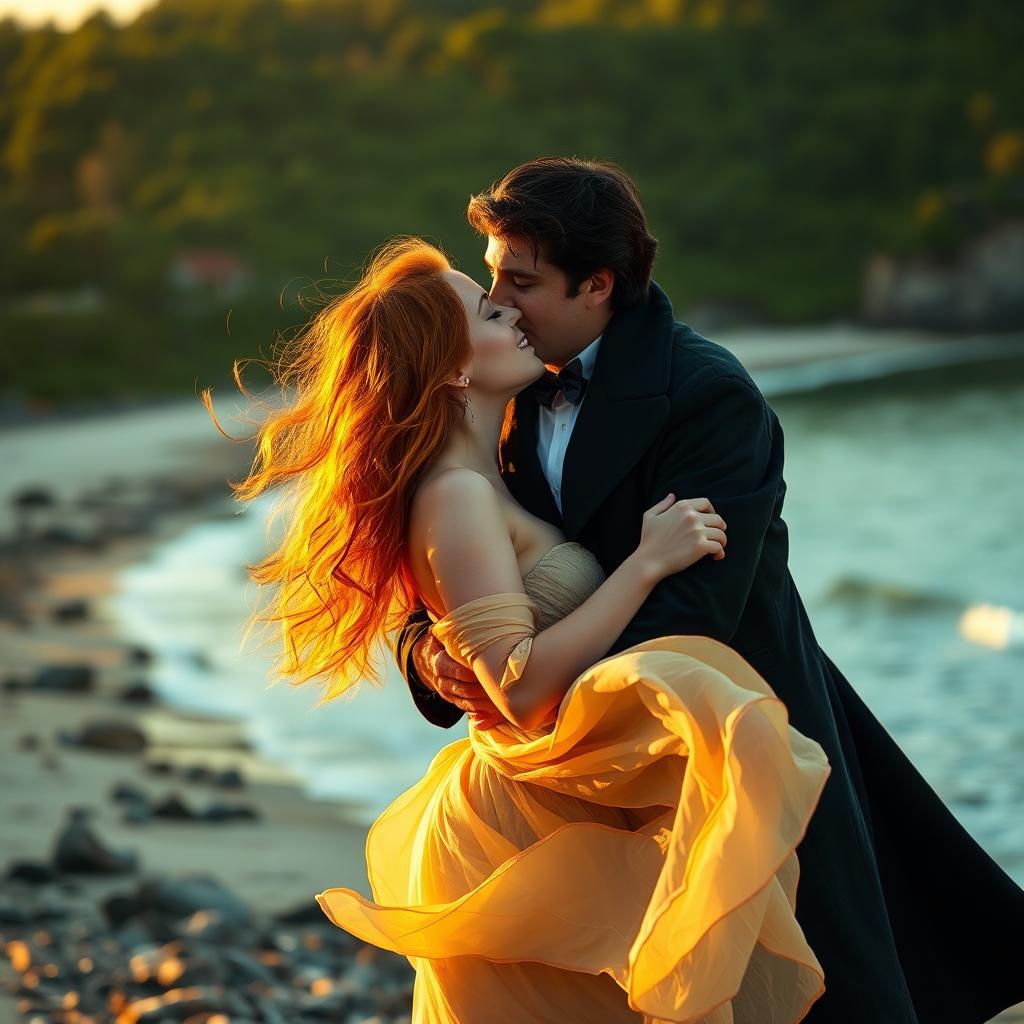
632, 861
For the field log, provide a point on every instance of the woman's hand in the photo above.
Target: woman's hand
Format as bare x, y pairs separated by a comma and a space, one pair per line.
675, 534
453, 681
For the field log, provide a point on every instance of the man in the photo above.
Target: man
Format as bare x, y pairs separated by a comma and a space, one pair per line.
910, 918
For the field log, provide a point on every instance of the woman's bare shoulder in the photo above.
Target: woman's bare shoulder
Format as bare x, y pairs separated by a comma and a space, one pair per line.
452, 497
446, 480
450, 490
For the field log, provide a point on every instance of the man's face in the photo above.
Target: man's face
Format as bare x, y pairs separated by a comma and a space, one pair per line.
557, 327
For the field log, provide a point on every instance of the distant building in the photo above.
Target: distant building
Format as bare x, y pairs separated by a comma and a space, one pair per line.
217, 271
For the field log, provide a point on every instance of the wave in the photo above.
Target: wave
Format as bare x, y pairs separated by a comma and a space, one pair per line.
849, 368
985, 625
895, 597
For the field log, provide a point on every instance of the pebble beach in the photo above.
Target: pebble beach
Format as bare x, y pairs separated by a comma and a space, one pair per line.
154, 867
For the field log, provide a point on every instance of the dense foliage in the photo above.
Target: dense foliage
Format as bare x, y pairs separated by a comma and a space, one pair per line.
777, 143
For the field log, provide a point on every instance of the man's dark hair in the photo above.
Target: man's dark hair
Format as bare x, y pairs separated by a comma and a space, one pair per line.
583, 215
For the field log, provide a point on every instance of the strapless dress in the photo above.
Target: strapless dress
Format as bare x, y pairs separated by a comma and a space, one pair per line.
633, 859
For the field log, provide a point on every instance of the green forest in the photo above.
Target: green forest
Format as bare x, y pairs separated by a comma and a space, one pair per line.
777, 145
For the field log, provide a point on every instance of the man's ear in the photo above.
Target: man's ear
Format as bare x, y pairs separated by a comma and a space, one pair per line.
598, 288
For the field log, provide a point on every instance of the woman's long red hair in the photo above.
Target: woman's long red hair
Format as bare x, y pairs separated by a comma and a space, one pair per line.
366, 411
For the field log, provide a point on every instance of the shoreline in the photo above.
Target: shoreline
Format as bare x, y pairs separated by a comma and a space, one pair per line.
183, 746
196, 802
768, 349
172, 465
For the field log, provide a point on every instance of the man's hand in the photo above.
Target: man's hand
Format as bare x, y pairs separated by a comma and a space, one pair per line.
454, 682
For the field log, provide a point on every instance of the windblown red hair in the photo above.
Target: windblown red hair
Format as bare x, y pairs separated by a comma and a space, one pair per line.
366, 411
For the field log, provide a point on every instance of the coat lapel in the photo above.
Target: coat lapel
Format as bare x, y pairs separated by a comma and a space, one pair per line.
625, 408
520, 464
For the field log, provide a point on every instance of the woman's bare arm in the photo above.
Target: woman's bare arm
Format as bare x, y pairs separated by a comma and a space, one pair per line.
457, 518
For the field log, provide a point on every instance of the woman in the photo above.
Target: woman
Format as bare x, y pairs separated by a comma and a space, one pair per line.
621, 847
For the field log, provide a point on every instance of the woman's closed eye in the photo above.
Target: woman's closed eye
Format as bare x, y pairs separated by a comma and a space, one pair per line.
495, 315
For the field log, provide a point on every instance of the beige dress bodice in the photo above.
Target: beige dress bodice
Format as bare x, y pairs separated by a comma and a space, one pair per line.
561, 581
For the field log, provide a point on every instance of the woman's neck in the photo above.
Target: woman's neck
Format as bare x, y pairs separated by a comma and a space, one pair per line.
474, 442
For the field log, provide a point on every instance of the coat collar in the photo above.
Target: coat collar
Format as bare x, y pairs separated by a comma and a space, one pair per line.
625, 408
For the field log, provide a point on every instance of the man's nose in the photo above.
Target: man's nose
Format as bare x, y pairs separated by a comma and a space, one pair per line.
499, 295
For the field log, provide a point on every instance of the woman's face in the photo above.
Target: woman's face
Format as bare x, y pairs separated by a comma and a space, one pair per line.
502, 361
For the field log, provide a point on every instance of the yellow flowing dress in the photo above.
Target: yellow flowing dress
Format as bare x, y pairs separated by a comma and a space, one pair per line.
633, 859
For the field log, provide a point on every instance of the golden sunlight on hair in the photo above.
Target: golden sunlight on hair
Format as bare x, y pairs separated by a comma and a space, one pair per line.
365, 412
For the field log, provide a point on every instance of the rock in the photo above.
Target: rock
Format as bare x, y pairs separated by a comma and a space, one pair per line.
135, 802
108, 734
174, 807
51, 906
363, 975
129, 523
126, 793
31, 871
187, 950
138, 693
120, 909
79, 849
139, 655
230, 778
269, 1011
393, 1001
66, 536
172, 965
159, 767
28, 741
200, 660
13, 913
65, 679
184, 896
306, 912
137, 814
230, 812
334, 1006
198, 1004
246, 969
71, 611
197, 773
35, 496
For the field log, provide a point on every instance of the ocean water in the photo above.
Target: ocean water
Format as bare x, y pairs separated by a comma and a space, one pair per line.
905, 506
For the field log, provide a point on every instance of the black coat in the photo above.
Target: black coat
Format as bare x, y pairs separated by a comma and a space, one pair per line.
910, 918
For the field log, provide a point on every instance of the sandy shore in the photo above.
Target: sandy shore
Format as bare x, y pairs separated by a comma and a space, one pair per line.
58, 562
297, 847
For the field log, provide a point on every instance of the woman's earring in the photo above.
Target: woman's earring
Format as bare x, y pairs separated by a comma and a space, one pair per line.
469, 409
465, 382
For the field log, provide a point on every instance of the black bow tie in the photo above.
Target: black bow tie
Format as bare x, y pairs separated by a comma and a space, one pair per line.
569, 380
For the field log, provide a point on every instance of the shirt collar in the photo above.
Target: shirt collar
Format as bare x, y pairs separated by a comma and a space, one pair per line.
588, 357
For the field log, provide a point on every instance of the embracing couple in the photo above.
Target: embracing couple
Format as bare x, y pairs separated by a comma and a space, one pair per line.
566, 505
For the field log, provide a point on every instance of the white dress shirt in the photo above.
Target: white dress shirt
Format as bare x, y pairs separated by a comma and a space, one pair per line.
555, 426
